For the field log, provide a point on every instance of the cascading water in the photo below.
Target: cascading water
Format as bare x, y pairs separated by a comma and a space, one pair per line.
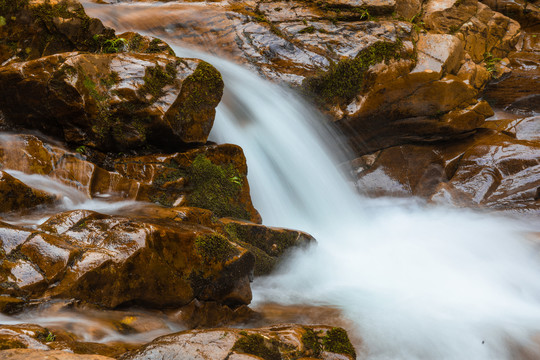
418, 282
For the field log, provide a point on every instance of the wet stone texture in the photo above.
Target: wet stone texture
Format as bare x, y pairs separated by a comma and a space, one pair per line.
272, 343
111, 260
113, 101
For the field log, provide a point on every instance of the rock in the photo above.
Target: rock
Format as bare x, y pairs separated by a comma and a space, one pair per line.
31, 336
113, 101
525, 12
314, 342
27, 354
216, 181
408, 8
481, 29
441, 53
517, 91
385, 81
16, 196
41, 27
268, 244
112, 260
210, 177
492, 169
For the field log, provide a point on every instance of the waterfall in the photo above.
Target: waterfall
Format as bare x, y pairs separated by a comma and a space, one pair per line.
419, 282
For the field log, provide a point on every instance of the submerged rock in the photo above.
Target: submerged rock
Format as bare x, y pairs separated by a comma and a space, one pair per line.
113, 101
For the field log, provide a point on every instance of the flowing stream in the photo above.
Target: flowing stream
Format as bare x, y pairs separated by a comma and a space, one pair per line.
416, 281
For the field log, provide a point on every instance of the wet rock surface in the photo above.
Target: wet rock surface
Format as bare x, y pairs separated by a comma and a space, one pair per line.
389, 73
277, 342
113, 101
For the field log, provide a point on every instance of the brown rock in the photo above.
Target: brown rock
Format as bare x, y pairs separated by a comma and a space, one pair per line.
218, 184
517, 91
42, 27
115, 260
16, 196
490, 169
28, 354
268, 244
525, 12
481, 29
313, 342
113, 101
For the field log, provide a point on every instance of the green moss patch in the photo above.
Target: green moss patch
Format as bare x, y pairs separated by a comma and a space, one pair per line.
256, 345
344, 80
214, 248
336, 340
156, 78
216, 188
201, 90
311, 342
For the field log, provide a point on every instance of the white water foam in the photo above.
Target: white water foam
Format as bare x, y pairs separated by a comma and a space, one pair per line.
419, 282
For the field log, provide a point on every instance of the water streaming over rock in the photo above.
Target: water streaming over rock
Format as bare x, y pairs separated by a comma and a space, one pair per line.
418, 282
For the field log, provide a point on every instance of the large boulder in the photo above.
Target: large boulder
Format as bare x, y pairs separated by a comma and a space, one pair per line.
271, 343
113, 101
114, 260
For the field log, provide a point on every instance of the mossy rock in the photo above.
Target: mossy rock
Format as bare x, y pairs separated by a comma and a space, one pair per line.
216, 188
345, 79
336, 340
255, 344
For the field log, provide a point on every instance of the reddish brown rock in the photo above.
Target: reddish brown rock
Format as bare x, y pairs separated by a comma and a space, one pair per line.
43, 27
481, 29
525, 12
17, 196
114, 260
492, 169
268, 244
216, 181
113, 101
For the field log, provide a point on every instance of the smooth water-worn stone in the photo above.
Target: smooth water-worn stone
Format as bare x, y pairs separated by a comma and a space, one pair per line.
112, 260
28, 354
113, 101
17, 196
213, 177
490, 169
275, 342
